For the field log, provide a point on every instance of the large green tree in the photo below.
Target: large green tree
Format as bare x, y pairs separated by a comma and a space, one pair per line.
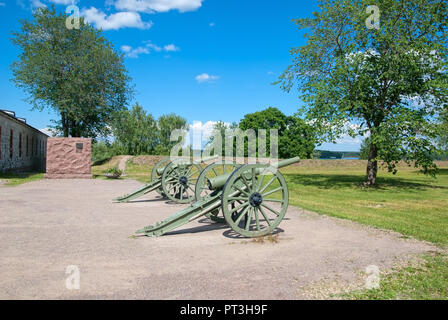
388, 78
165, 125
75, 72
135, 131
443, 132
296, 137
365, 149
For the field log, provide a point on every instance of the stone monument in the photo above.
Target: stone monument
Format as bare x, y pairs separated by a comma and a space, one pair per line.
69, 158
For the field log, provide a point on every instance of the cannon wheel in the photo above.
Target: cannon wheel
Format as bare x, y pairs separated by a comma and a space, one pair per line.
202, 190
255, 199
179, 179
155, 175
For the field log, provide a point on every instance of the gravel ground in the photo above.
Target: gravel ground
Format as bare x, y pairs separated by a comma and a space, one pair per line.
48, 225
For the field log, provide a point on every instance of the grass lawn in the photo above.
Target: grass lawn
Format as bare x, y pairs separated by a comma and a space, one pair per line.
135, 169
14, 179
426, 281
140, 173
409, 202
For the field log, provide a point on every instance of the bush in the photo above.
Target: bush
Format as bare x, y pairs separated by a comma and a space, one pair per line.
102, 151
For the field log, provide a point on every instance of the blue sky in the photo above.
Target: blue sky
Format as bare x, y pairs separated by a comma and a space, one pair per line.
206, 60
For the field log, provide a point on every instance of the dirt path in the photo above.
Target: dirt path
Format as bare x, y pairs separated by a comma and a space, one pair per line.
48, 225
122, 164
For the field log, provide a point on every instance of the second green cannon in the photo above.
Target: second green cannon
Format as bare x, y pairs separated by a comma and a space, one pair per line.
174, 179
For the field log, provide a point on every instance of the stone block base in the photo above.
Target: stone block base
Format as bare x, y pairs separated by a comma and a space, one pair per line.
69, 158
68, 176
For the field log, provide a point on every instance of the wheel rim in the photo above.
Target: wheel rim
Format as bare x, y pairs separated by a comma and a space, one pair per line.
179, 179
155, 175
202, 190
255, 200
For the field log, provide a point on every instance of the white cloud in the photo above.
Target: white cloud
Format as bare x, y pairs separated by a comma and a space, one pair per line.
41, 4
126, 48
171, 47
146, 49
158, 5
134, 52
66, 2
37, 4
346, 139
204, 77
48, 132
211, 24
153, 46
200, 132
271, 73
114, 21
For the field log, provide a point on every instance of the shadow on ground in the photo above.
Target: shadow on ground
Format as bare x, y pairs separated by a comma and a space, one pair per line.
18, 175
442, 172
100, 162
202, 228
337, 181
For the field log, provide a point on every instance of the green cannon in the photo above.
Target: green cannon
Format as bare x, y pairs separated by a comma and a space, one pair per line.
251, 198
173, 179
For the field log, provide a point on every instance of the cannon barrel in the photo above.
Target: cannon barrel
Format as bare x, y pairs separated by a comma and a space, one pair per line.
205, 159
219, 181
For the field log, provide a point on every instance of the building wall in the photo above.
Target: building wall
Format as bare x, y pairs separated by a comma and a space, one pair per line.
17, 153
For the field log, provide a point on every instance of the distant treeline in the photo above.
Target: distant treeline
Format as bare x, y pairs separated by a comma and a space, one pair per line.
136, 132
326, 154
442, 157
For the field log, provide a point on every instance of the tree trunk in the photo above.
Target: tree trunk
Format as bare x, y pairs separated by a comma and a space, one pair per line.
64, 124
372, 166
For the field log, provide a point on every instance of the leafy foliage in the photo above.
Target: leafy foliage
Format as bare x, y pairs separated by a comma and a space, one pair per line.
114, 171
166, 124
135, 131
220, 129
76, 72
103, 150
443, 131
391, 82
365, 147
296, 137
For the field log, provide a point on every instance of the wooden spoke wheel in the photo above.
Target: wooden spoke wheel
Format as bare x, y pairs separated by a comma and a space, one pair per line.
202, 189
157, 172
255, 199
179, 179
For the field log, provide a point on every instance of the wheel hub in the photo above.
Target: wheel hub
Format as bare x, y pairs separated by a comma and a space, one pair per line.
183, 180
255, 199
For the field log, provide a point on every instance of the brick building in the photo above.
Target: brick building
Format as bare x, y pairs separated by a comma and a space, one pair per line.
22, 147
